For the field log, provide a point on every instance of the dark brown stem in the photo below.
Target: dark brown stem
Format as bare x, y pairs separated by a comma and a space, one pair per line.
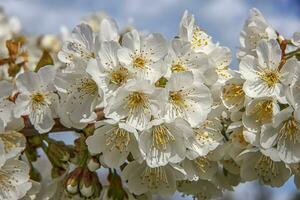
283, 45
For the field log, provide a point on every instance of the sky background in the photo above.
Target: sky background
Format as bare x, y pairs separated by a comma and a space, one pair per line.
223, 19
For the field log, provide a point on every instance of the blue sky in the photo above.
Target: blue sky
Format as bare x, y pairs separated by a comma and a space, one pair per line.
223, 19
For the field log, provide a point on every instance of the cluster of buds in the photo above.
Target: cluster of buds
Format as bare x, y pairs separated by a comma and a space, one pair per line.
83, 182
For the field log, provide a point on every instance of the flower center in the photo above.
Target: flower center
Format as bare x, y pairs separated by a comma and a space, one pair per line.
199, 38
178, 68
238, 137
201, 163
87, 86
139, 62
161, 137
177, 99
271, 77
233, 91
136, 101
263, 111
38, 98
266, 168
289, 131
154, 177
119, 139
119, 76
81, 50
5, 180
12, 139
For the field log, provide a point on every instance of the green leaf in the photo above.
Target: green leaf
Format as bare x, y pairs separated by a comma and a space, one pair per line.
45, 59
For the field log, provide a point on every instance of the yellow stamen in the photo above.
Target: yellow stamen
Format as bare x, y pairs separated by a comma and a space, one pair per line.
119, 139
154, 177
119, 76
271, 77
161, 137
139, 62
137, 100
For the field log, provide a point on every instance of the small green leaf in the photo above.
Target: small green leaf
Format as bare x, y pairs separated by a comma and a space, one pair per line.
46, 59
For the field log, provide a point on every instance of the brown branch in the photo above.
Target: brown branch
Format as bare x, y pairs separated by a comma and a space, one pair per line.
283, 45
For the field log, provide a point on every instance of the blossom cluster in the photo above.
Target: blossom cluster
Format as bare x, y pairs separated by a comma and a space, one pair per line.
156, 116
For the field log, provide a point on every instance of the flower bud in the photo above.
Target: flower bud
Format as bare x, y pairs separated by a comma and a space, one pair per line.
89, 184
93, 164
72, 180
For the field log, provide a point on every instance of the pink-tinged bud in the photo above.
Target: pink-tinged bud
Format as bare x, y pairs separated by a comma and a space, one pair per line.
72, 180
89, 184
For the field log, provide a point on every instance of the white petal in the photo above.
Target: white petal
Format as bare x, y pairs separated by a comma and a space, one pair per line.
108, 30
124, 56
28, 82
296, 39
156, 44
131, 40
269, 54
6, 88
248, 68
268, 136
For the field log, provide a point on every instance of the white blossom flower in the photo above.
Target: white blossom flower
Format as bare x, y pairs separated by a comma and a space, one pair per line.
237, 136
143, 55
107, 71
81, 47
14, 143
232, 93
14, 179
255, 29
200, 168
159, 180
206, 138
136, 102
265, 166
14, 176
115, 141
260, 111
190, 32
80, 96
238, 140
219, 60
284, 133
37, 98
182, 58
187, 99
266, 75
163, 142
